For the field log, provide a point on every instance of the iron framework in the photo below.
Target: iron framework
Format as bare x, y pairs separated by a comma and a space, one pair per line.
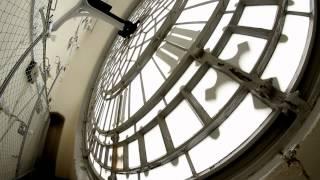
108, 116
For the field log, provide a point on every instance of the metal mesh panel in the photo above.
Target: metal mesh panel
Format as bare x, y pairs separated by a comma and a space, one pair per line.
19, 25
23, 107
34, 137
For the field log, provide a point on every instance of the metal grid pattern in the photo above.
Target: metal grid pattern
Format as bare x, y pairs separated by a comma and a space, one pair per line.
19, 26
127, 52
111, 113
23, 105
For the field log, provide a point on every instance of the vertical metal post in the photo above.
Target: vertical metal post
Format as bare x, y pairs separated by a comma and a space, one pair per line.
26, 134
115, 140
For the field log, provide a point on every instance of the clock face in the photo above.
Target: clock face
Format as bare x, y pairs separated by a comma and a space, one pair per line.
126, 53
191, 89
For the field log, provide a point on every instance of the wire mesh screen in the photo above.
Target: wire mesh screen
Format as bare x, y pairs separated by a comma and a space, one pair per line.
23, 105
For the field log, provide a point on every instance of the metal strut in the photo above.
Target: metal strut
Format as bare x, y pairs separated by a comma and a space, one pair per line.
101, 10
128, 26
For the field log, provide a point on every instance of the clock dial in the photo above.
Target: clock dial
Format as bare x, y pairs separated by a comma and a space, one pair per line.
128, 53
192, 88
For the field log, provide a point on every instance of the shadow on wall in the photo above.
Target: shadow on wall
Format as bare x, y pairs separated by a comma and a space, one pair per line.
45, 168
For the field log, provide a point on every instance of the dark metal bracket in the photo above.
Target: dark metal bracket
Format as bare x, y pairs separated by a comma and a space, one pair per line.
100, 10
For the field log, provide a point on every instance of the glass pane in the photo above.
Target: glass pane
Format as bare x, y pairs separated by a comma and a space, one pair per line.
105, 139
124, 115
150, 115
152, 79
296, 30
203, 13
136, 97
127, 133
259, 16
127, 177
104, 117
232, 133
195, 2
183, 38
105, 174
103, 155
120, 157
117, 78
108, 113
96, 166
182, 123
163, 66
97, 107
179, 171
100, 119
169, 54
108, 140
128, 65
232, 5
195, 26
216, 35
243, 51
300, 5
134, 156
188, 74
214, 91
154, 144
115, 111
109, 163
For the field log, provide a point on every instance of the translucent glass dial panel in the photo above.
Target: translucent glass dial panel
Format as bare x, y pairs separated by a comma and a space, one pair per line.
165, 110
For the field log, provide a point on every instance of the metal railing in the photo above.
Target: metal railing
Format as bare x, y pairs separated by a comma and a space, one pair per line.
24, 110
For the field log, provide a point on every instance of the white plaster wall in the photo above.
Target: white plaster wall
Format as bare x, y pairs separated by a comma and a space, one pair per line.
306, 166
72, 86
